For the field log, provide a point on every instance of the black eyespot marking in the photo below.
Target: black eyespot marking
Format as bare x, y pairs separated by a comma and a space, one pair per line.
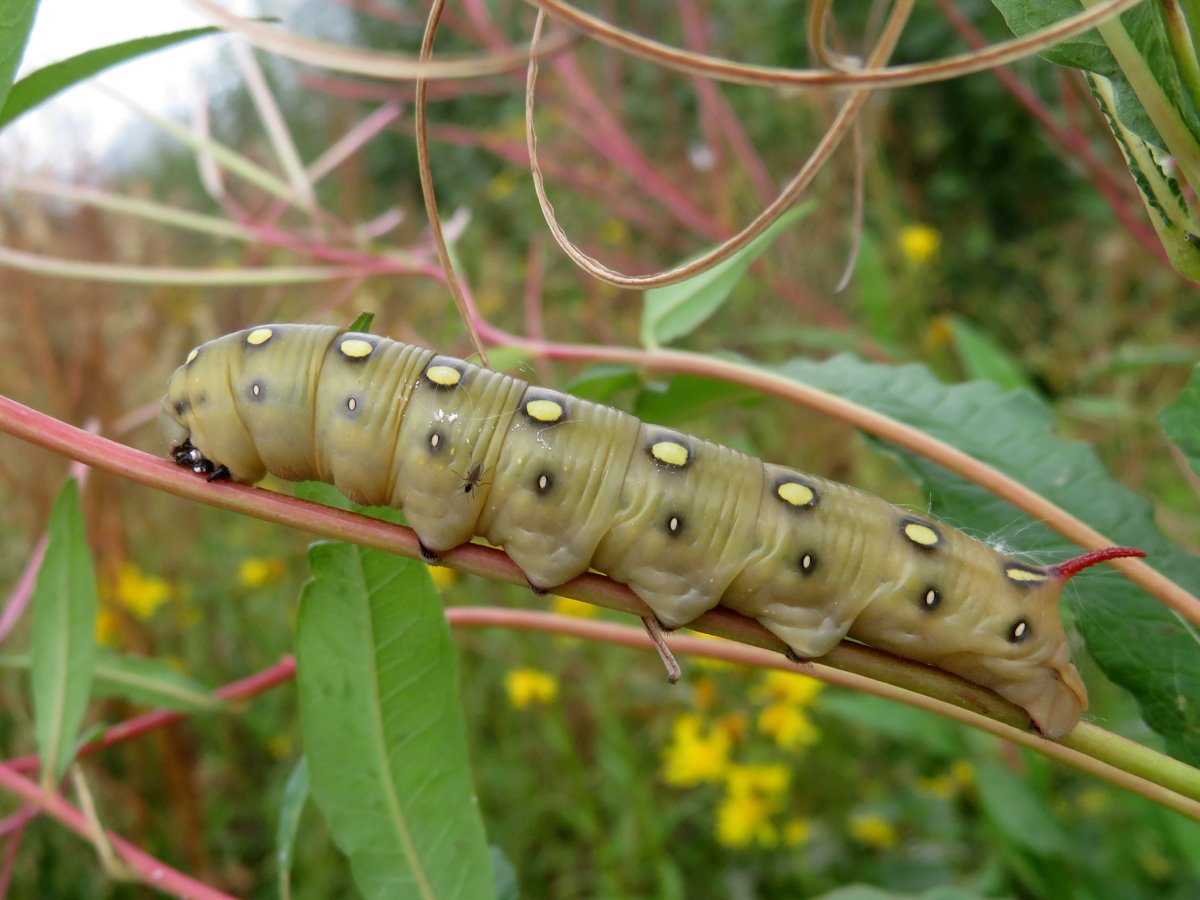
182, 407
931, 599
808, 564
436, 439
543, 483
1019, 631
674, 525
257, 391
920, 533
352, 406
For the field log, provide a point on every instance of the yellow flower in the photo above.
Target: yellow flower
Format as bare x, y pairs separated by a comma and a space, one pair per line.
565, 606
108, 626
753, 795
442, 577
788, 726
255, 571
796, 832
140, 594
614, 232
770, 780
788, 687
529, 686
873, 830
279, 746
695, 754
745, 819
963, 773
940, 787
920, 243
501, 186
704, 693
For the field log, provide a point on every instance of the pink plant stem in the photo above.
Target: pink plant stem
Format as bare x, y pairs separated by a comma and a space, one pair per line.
601, 129
14, 827
22, 593
255, 684
151, 871
724, 122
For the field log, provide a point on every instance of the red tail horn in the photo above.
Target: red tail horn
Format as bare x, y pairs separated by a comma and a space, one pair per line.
1074, 566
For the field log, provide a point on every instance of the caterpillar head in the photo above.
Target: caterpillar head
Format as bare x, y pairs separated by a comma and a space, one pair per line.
999, 628
198, 413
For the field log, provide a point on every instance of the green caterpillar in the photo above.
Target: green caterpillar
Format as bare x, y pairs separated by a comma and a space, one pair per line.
563, 484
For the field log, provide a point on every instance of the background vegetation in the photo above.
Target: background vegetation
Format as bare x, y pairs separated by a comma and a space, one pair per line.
1000, 240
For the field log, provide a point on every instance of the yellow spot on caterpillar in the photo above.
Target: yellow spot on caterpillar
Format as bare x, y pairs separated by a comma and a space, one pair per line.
259, 336
446, 376
670, 452
1016, 573
544, 410
356, 348
796, 494
921, 534
193, 354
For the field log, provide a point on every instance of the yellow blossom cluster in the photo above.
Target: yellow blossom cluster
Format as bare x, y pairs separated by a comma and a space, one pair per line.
920, 243
256, 571
696, 754
873, 830
529, 687
784, 718
753, 796
132, 592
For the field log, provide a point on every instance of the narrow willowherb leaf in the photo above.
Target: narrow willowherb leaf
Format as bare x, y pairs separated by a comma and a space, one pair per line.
39, 86
64, 636
295, 796
15, 25
152, 682
674, 310
383, 730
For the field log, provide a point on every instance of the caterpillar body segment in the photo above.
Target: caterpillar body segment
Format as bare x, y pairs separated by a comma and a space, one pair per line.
572, 484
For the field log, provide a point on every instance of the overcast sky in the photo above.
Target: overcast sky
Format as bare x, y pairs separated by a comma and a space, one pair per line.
80, 125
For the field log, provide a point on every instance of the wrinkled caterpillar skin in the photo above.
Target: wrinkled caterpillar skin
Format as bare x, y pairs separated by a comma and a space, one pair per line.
563, 484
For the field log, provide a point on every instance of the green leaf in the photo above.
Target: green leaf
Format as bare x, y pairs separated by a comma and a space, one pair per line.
1146, 80
1181, 421
912, 727
38, 87
686, 397
383, 731
504, 875
64, 635
295, 796
153, 682
1139, 643
1018, 811
983, 358
362, 324
873, 284
16, 22
672, 311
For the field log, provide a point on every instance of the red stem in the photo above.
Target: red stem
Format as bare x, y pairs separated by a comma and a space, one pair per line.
151, 871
